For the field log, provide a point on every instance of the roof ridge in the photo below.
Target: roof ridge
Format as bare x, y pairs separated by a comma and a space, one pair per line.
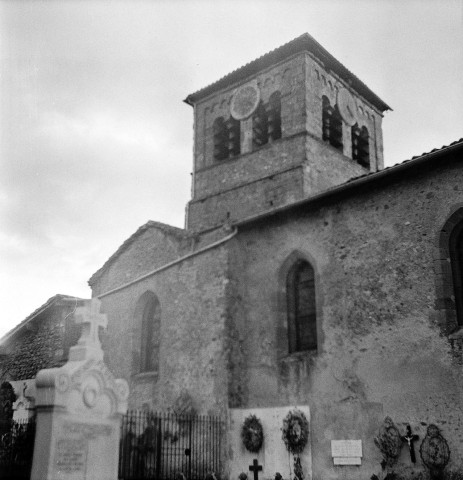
415, 157
178, 232
36, 312
304, 42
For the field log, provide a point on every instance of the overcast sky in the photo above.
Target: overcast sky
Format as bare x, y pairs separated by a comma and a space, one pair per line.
95, 138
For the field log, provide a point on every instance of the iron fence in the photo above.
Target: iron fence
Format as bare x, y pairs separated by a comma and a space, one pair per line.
17, 449
164, 446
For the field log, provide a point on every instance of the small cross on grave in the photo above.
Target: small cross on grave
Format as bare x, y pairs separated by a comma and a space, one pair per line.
91, 320
410, 438
256, 468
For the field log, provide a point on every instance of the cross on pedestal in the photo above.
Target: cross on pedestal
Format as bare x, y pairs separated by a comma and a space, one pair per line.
91, 319
410, 438
255, 467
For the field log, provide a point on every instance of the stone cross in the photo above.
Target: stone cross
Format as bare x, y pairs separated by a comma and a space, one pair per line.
410, 438
255, 467
91, 318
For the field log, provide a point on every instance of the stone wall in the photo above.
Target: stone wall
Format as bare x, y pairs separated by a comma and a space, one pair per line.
152, 246
247, 200
383, 348
44, 343
192, 356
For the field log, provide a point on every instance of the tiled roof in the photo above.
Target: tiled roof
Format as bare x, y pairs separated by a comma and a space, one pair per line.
351, 185
300, 44
411, 160
168, 229
50, 302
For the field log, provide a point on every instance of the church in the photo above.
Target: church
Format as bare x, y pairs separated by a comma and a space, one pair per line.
307, 274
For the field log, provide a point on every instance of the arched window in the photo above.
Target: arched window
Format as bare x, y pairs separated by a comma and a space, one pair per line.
332, 124
266, 121
302, 321
456, 261
150, 334
227, 138
360, 145
448, 268
274, 116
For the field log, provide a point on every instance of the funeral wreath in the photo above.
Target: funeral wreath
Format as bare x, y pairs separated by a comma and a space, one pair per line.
295, 431
252, 434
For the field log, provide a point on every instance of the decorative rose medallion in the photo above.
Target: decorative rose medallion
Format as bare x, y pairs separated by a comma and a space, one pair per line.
90, 396
245, 101
347, 107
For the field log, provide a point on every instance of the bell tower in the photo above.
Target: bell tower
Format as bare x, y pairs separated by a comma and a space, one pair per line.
284, 127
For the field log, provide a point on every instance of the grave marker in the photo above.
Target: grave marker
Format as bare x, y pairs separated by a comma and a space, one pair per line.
256, 468
79, 410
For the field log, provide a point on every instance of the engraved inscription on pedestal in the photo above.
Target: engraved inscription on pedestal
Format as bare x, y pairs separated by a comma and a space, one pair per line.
70, 458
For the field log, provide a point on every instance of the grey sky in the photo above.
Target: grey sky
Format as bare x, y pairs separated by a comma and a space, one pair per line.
95, 138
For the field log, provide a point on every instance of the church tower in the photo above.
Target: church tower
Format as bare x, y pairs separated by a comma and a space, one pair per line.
284, 127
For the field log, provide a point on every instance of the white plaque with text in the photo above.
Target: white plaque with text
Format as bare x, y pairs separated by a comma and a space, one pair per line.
346, 452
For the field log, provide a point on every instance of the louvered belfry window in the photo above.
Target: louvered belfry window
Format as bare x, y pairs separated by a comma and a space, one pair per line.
266, 121
360, 145
227, 138
302, 321
332, 124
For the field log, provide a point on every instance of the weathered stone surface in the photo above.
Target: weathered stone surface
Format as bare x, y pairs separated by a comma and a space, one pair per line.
43, 342
192, 299
379, 342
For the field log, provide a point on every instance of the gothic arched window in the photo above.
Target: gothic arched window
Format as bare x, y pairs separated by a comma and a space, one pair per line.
331, 124
302, 320
456, 261
360, 145
449, 277
227, 138
266, 121
150, 334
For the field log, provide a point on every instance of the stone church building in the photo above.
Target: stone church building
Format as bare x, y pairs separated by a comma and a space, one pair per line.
307, 273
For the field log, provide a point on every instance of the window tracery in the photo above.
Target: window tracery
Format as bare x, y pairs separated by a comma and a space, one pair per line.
150, 334
302, 321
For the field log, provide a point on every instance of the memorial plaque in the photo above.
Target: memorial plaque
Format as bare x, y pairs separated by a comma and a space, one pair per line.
347, 460
70, 459
346, 452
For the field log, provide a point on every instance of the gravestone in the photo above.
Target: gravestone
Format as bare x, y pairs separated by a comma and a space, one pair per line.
79, 409
24, 406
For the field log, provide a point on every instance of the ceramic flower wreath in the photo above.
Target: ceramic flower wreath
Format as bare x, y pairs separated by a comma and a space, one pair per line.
295, 431
252, 434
